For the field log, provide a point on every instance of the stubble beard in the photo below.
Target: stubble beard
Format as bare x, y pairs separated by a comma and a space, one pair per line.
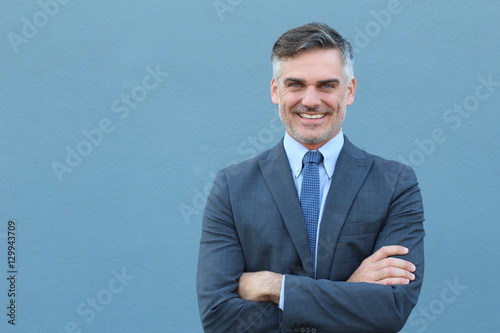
326, 134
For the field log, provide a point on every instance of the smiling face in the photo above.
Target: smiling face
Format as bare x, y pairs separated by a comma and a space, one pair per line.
312, 96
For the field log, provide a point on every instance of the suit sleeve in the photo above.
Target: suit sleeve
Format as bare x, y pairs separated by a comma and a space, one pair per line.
220, 264
337, 306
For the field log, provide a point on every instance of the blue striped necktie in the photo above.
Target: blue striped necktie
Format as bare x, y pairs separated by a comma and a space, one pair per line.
310, 199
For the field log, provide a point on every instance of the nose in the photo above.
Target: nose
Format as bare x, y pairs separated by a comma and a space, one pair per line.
311, 98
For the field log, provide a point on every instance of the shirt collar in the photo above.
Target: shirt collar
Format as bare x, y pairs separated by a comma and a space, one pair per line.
295, 152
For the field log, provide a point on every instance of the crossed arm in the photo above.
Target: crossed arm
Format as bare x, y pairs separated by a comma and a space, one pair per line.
380, 268
378, 296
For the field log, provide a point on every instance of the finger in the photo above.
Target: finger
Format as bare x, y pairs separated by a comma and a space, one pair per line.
393, 281
392, 272
394, 262
387, 251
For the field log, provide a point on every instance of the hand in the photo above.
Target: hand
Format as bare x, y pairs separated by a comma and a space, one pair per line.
261, 286
380, 268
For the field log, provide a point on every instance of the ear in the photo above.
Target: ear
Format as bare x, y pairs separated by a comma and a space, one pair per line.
351, 91
274, 92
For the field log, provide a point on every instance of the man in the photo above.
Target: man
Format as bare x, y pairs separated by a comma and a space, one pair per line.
313, 235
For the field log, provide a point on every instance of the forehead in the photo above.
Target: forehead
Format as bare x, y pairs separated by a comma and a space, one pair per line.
314, 64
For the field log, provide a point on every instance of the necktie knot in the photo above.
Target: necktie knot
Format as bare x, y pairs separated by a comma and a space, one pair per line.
312, 157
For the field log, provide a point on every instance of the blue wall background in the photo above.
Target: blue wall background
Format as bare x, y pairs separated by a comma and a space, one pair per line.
170, 92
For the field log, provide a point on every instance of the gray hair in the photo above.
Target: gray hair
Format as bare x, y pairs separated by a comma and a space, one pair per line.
312, 36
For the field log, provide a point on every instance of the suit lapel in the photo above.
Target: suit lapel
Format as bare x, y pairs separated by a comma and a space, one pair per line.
350, 172
278, 176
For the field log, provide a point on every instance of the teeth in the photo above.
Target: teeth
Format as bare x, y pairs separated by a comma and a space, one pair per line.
312, 116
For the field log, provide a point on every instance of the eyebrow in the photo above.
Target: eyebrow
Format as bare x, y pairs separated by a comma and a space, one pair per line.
302, 81
337, 81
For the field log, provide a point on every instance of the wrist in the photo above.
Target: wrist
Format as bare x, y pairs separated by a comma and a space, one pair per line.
273, 284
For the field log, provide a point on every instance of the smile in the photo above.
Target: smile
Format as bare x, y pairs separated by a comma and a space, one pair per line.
312, 116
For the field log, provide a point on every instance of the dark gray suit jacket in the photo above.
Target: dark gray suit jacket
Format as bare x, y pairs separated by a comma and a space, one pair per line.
253, 222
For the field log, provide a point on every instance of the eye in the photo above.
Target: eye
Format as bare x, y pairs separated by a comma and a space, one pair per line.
329, 86
294, 85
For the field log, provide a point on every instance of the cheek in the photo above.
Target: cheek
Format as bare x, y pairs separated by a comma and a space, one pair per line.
335, 102
290, 101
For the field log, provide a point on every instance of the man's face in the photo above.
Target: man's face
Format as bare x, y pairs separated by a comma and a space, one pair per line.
312, 96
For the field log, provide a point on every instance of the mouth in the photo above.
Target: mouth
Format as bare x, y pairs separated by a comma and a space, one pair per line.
312, 116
